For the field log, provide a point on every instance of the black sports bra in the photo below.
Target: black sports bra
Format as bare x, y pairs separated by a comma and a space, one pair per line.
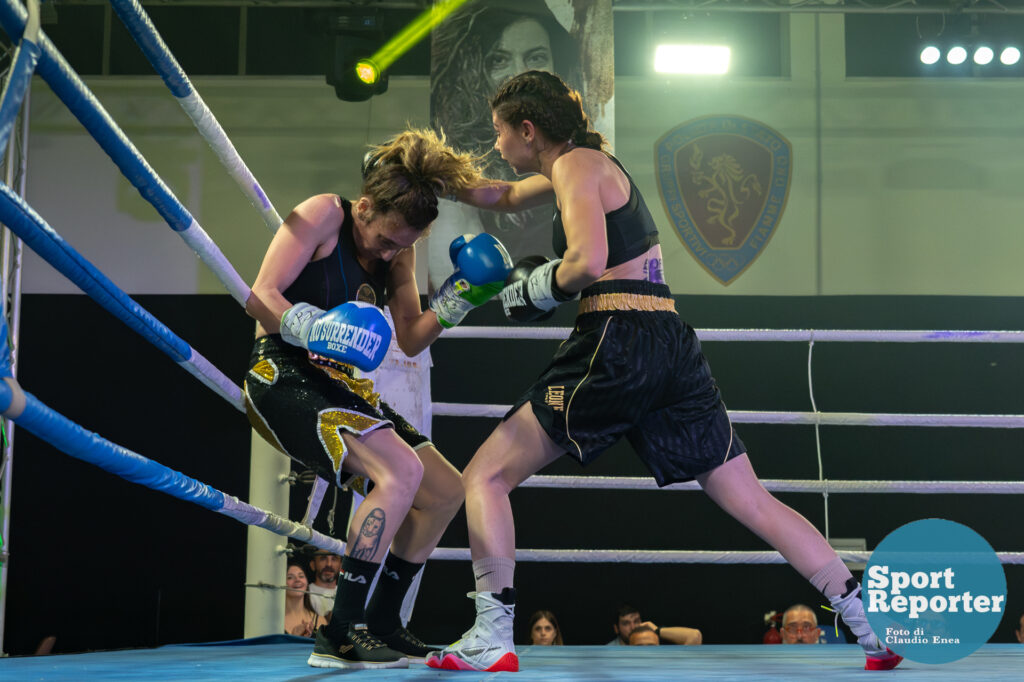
630, 228
338, 277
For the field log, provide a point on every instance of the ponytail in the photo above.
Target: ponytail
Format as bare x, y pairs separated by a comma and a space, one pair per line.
411, 170
553, 107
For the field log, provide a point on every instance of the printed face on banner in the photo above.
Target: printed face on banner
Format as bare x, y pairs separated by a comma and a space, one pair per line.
724, 181
473, 51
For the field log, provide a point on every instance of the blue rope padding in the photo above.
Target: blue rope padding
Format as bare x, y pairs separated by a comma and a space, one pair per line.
19, 78
90, 447
145, 34
83, 104
41, 238
6, 359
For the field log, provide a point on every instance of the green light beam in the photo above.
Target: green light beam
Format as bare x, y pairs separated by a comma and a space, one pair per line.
413, 33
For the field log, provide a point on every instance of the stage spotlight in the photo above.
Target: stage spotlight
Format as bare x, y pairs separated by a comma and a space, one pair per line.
353, 38
983, 55
956, 55
1009, 56
930, 55
692, 59
367, 71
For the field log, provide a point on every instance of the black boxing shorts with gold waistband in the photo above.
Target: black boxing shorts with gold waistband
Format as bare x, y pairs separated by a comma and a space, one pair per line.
302, 403
633, 368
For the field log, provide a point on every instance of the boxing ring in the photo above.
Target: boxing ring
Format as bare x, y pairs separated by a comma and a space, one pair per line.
282, 657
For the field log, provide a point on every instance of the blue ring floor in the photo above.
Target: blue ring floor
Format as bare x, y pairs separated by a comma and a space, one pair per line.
284, 658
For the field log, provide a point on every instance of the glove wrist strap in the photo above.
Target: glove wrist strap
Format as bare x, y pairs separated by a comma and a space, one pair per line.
542, 288
447, 305
296, 323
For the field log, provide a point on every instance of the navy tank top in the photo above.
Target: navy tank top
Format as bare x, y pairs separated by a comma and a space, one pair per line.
338, 277
630, 228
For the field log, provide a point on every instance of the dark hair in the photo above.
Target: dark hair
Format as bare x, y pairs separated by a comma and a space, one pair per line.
306, 601
408, 172
625, 610
552, 106
549, 617
459, 83
460, 88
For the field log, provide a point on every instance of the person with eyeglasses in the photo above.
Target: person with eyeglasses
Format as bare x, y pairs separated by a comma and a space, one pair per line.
800, 626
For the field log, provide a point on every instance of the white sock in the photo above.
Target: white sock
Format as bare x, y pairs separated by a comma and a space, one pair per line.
493, 574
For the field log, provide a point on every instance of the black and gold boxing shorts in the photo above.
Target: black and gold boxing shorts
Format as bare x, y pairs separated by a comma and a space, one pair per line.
633, 368
302, 403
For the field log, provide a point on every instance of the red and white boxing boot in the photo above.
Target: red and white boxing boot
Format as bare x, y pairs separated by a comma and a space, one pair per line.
851, 608
487, 646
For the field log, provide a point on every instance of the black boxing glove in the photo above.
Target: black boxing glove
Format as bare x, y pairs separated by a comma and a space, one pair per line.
531, 292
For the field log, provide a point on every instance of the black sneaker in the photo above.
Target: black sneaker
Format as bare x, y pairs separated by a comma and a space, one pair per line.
403, 641
358, 650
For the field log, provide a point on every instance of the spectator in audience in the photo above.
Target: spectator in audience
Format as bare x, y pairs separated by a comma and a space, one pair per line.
800, 625
1020, 633
46, 644
544, 629
325, 567
644, 635
299, 616
627, 618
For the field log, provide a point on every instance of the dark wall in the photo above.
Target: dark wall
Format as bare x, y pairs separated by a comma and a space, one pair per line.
100, 562
727, 602
104, 564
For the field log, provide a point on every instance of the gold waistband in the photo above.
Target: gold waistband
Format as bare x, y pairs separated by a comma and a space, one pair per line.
607, 302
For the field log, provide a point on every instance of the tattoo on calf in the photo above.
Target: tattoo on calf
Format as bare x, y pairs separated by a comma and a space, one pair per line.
368, 540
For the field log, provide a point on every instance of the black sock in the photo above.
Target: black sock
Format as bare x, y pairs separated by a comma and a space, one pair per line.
383, 613
353, 585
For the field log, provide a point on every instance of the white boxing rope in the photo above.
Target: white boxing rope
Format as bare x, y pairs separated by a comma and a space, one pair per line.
254, 516
848, 335
990, 421
786, 485
211, 131
211, 256
152, 45
640, 556
469, 410
215, 380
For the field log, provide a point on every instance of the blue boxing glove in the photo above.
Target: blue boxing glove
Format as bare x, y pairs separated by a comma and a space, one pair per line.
355, 333
531, 292
481, 266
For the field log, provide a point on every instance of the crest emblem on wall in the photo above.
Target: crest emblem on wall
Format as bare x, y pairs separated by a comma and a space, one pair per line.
724, 181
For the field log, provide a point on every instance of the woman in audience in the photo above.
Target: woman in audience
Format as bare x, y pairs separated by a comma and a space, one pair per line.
544, 629
299, 617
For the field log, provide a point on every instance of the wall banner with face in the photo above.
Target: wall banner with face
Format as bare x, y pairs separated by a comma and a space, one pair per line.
472, 52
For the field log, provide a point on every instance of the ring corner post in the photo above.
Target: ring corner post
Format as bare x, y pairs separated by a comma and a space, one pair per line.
265, 563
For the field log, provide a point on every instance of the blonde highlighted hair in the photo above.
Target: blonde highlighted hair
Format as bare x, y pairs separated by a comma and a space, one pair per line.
408, 173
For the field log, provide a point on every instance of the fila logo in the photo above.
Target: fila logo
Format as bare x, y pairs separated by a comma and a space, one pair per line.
555, 398
389, 573
353, 578
345, 648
